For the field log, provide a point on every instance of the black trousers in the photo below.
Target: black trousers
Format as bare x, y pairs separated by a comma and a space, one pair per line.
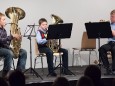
110, 46
49, 55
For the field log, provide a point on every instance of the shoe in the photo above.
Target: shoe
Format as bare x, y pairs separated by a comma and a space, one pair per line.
26, 76
108, 72
53, 74
113, 72
67, 72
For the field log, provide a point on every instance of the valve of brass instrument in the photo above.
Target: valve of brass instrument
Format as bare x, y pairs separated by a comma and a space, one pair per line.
104, 20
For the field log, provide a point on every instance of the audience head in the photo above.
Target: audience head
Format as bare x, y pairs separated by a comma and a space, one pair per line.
17, 78
113, 82
93, 72
61, 81
85, 81
3, 82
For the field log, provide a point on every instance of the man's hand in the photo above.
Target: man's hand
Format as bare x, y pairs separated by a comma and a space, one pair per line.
17, 36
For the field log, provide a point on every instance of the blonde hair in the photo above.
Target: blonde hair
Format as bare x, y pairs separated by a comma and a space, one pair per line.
1, 14
112, 12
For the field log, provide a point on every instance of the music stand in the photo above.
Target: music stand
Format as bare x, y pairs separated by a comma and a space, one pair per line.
98, 30
28, 33
60, 31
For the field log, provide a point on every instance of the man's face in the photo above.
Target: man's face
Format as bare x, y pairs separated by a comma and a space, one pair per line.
112, 18
44, 25
2, 21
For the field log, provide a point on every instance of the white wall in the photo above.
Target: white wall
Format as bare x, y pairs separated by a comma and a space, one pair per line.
75, 11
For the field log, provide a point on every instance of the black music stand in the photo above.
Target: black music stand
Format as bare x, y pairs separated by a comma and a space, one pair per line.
98, 30
28, 33
60, 31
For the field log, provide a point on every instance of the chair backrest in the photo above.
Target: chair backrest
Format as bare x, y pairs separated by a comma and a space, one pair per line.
36, 48
87, 43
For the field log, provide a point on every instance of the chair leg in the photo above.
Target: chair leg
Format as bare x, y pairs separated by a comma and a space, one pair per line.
96, 54
42, 65
89, 56
35, 62
80, 58
73, 58
55, 60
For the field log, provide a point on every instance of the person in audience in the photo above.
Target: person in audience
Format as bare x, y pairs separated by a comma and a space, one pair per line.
113, 82
94, 73
61, 81
3, 82
85, 81
17, 78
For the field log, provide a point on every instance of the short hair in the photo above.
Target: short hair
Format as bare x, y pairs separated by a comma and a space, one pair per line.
3, 82
85, 81
42, 20
1, 14
112, 12
61, 81
17, 78
93, 72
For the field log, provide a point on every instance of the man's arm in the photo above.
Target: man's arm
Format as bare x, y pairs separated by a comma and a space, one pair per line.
8, 38
39, 38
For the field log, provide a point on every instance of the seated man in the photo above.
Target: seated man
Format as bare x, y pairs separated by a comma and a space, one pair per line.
43, 48
5, 50
110, 46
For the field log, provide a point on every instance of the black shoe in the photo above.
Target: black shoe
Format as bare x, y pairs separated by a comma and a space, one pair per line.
26, 76
67, 73
113, 72
53, 74
108, 72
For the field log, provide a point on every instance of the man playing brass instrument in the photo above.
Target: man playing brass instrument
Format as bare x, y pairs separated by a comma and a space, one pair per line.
43, 48
110, 46
5, 50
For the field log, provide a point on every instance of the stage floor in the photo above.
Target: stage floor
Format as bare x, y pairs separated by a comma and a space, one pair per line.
77, 70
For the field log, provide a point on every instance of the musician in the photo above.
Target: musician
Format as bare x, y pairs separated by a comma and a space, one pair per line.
5, 50
110, 46
41, 40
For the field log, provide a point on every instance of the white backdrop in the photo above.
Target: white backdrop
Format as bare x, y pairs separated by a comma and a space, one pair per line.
71, 11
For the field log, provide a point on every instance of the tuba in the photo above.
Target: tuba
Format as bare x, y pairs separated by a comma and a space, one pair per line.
104, 20
53, 44
15, 14
56, 19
